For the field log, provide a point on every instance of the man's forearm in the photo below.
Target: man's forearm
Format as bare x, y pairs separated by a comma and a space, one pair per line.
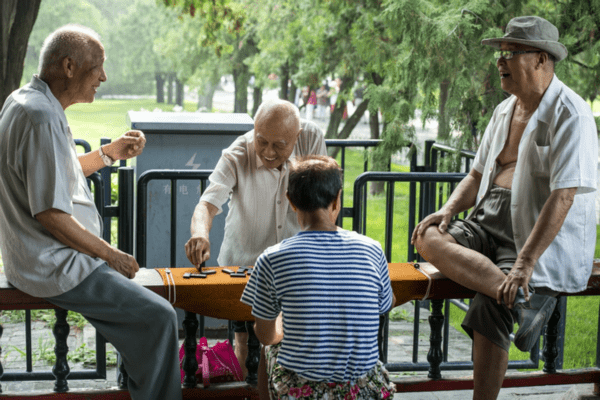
71, 233
465, 194
202, 219
548, 224
90, 162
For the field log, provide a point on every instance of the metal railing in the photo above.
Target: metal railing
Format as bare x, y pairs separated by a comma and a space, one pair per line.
435, 182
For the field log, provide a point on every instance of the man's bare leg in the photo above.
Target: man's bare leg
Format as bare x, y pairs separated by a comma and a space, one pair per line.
263, 377
241, 350
465, 266
489, 367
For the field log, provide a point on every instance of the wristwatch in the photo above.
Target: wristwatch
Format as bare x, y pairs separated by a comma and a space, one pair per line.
106, 159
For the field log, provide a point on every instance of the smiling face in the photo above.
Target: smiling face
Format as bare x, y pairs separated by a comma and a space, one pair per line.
275, 138
88, 76
518, 73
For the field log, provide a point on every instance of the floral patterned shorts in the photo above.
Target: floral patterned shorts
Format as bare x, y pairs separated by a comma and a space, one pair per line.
287, 385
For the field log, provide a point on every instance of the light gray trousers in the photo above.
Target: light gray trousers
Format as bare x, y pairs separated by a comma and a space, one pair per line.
140, 324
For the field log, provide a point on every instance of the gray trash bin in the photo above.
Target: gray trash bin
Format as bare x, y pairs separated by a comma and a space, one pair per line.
182, 141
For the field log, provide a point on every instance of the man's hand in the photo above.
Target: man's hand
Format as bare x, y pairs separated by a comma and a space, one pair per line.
518, 277
440, 218
197, 250
123, 263
130, 145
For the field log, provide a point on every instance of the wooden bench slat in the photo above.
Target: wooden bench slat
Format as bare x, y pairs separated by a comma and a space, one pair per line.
517, 379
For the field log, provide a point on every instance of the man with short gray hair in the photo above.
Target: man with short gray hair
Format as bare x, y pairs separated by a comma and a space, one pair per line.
49, 225
532, 231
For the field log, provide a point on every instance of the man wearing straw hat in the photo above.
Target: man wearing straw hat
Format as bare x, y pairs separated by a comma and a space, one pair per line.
532, 231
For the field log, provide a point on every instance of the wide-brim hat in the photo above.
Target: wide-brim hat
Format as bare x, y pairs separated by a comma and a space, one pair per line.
531, 31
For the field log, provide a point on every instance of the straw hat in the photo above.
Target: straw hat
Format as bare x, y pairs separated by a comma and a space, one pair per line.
531, 31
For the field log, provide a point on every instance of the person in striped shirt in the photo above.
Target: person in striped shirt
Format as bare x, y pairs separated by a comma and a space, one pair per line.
317, 297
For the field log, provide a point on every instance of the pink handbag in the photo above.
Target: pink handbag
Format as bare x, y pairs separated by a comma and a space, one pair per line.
216, 364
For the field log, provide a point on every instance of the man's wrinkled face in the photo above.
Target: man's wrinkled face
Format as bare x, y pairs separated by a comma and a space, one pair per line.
89, 75
274, 141
517, 74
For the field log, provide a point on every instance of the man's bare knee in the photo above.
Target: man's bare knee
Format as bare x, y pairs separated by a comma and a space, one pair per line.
429, 243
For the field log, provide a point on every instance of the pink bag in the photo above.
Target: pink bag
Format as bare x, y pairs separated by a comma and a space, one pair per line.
216, 364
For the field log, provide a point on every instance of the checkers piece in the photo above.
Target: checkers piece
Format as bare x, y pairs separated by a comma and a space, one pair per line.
189, 275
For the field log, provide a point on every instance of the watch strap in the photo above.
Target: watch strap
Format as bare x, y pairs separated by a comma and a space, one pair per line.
105, 158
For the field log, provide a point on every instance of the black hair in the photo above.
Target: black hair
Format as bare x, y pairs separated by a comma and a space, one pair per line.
314, 182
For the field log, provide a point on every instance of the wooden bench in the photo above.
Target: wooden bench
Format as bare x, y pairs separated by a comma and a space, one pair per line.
405, 289
13, 299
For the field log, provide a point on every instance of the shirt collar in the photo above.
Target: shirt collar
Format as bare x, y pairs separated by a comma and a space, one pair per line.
544, 110
40, 85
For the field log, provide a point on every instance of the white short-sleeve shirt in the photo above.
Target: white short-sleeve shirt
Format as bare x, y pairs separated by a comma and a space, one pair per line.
39, 170
259, 213
558, 149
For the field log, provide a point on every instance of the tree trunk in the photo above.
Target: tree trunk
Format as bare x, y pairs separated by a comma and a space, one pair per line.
179, 92
378, 165
283, 81
292, 93
349, 126
170, 88
257, 97
338, 110
160, 87
205, 97
443, 125
17, 18
241, 76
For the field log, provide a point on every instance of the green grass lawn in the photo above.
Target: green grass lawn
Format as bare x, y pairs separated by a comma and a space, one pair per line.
108, 118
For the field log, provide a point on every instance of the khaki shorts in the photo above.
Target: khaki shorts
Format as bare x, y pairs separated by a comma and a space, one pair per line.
489, 232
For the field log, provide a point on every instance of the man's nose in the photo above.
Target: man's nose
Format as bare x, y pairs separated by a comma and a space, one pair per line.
103, 76
270, 151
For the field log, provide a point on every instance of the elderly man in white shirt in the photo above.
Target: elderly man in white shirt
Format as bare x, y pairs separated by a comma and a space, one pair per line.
252, 174
532, 187
50, 228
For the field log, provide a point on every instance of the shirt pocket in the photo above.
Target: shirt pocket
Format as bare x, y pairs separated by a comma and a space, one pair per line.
540, 156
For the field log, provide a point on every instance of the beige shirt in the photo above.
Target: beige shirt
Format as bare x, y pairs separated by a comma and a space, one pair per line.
558, 149
39, 170
259, 212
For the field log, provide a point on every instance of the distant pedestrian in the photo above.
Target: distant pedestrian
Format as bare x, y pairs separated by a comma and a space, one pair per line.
310, 106
322, 102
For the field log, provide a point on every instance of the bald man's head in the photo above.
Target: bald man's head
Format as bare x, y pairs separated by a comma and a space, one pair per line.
276, 130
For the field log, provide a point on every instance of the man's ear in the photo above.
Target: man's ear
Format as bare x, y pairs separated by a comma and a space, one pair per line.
338, 201
68, 66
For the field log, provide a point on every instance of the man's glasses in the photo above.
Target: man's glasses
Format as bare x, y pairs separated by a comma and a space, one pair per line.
507, 54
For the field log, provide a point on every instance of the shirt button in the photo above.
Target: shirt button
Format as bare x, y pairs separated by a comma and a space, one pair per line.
279, 227
278, 201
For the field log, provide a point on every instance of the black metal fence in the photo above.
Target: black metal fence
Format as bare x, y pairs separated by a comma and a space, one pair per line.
427, 191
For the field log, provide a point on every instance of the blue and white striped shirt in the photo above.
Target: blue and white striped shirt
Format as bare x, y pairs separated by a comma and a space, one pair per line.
331, 288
